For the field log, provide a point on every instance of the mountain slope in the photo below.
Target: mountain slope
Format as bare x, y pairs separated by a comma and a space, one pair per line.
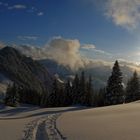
24, 70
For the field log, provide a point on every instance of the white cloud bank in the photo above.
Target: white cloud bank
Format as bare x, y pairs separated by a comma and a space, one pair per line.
66, 52
125, 13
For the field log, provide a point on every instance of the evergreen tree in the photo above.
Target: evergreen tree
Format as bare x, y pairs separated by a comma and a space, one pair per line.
89, 92
133, 89
76, 90
44, 99
61, 97
101, 97
30, 95
68, 93
82, 95
53, 100
114, 90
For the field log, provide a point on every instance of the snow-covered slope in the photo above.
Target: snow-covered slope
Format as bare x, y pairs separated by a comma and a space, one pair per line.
121, 122
28, 122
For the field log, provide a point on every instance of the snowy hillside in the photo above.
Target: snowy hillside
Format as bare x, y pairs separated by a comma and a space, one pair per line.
120, 122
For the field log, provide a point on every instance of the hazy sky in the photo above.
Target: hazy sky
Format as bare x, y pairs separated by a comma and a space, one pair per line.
106, 29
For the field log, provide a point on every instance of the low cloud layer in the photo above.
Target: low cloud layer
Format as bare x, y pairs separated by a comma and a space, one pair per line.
67, 52
125, 13
88, 46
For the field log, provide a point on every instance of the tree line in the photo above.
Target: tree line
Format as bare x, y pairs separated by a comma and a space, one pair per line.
79, 91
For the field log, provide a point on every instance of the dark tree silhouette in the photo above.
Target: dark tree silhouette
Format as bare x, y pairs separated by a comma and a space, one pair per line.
114, 90
68, 93
12, 95
53, 100
89, 92
82, 87
75, 90
133, 89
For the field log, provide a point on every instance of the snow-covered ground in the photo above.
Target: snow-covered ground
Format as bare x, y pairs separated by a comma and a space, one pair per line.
120, 122
30, 122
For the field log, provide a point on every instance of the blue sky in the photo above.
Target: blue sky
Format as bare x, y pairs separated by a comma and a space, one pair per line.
111, 25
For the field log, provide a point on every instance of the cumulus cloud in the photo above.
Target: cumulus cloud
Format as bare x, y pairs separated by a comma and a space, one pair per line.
17, 6
125, 13
27, 37
66, 52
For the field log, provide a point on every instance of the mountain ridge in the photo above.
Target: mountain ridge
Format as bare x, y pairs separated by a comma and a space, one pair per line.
24, 70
